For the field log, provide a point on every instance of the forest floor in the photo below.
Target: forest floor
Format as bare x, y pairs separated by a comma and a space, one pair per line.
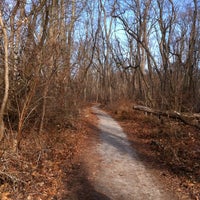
168, 146
54, 165
115, 169
44, 166
177, 172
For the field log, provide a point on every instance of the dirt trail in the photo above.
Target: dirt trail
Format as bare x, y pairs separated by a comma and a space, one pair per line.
120, 174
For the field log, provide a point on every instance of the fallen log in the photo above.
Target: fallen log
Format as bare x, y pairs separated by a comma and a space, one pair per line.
192, 119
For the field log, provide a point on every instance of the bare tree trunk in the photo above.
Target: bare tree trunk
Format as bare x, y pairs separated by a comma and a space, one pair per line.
44, 107
70, 42
6, 77
189, 82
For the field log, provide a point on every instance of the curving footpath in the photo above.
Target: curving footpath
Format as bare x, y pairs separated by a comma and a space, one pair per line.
121, 175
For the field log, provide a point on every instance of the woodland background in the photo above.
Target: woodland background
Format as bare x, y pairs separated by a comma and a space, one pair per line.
56, 56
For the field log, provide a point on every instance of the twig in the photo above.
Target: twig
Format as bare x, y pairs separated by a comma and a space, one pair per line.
14, 179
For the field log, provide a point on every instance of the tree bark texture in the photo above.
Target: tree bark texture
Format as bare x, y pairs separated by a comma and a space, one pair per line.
6, 77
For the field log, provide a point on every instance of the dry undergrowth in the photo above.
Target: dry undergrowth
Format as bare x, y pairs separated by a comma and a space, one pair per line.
41, 169
167, 144
48, 166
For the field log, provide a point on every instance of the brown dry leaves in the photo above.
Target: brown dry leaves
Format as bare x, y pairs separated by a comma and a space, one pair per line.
168, 145
43, 166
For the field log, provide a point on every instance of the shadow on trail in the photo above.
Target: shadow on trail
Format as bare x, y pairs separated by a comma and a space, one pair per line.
81, 188
123, 145
127, 147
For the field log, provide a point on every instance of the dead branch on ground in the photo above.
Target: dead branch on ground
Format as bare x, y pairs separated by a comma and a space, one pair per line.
188, 119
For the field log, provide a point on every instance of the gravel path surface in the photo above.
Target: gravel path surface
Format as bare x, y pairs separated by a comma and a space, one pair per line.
121, 175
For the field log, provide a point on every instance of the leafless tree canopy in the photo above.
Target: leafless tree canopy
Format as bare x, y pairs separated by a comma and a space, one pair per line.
61, 53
